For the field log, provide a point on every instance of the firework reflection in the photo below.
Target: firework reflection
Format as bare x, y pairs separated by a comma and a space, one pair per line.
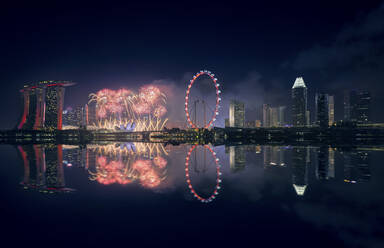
127, 163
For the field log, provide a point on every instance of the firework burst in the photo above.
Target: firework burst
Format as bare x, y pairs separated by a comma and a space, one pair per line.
142, 111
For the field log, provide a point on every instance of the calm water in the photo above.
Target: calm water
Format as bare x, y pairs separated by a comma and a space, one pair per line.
151, 195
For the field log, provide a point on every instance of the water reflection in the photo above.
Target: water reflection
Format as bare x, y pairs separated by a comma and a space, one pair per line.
126, 163
147, 164
294, 188
43, 168
192, 161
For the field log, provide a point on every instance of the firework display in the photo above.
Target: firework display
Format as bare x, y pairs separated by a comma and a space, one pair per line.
127, 163
126, 110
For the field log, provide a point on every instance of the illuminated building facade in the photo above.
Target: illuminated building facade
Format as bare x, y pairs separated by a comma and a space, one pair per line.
347, 108
74, 117
300, 113
331, 110
266, 115
236, 114
360, 102
90, 113
357, 106
43, 105
273, 116
322, 110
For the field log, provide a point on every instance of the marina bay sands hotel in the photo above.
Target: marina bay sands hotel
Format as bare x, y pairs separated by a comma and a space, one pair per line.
43, 105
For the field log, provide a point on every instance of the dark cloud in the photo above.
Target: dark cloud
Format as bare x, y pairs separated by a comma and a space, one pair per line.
354, 59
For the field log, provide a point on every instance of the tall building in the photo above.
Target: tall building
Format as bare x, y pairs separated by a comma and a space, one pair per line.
347, 108
79, 114
236, 114
43, 105
322, 108
54, 102
299, 103
266, 115
360, 102
274, 122
273, 116
357, 106
331, 110
74, 117
90, 110
281, 116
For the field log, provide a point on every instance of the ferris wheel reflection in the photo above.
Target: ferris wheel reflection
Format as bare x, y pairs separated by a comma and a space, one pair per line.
191, 161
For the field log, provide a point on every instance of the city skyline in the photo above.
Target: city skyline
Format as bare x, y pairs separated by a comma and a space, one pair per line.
112, 65
188, 123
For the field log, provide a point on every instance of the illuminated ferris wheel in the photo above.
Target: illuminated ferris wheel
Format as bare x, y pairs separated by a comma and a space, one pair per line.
208, 104
189, 163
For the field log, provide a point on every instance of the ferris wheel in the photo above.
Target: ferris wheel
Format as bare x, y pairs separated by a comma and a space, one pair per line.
189, 162
191, 102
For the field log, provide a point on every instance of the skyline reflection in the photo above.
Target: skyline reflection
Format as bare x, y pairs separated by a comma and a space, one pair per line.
151, 164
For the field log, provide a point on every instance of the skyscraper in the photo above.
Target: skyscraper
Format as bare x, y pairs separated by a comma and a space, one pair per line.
281, 117
359, 106
274, 122
347, 108
91, 117
299, 103
54, 107
331, 110
43, 105
236, 114
322, 108
273, 116
74, 117
266, 115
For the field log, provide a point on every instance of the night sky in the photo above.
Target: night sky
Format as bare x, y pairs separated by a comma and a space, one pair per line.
256, 50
